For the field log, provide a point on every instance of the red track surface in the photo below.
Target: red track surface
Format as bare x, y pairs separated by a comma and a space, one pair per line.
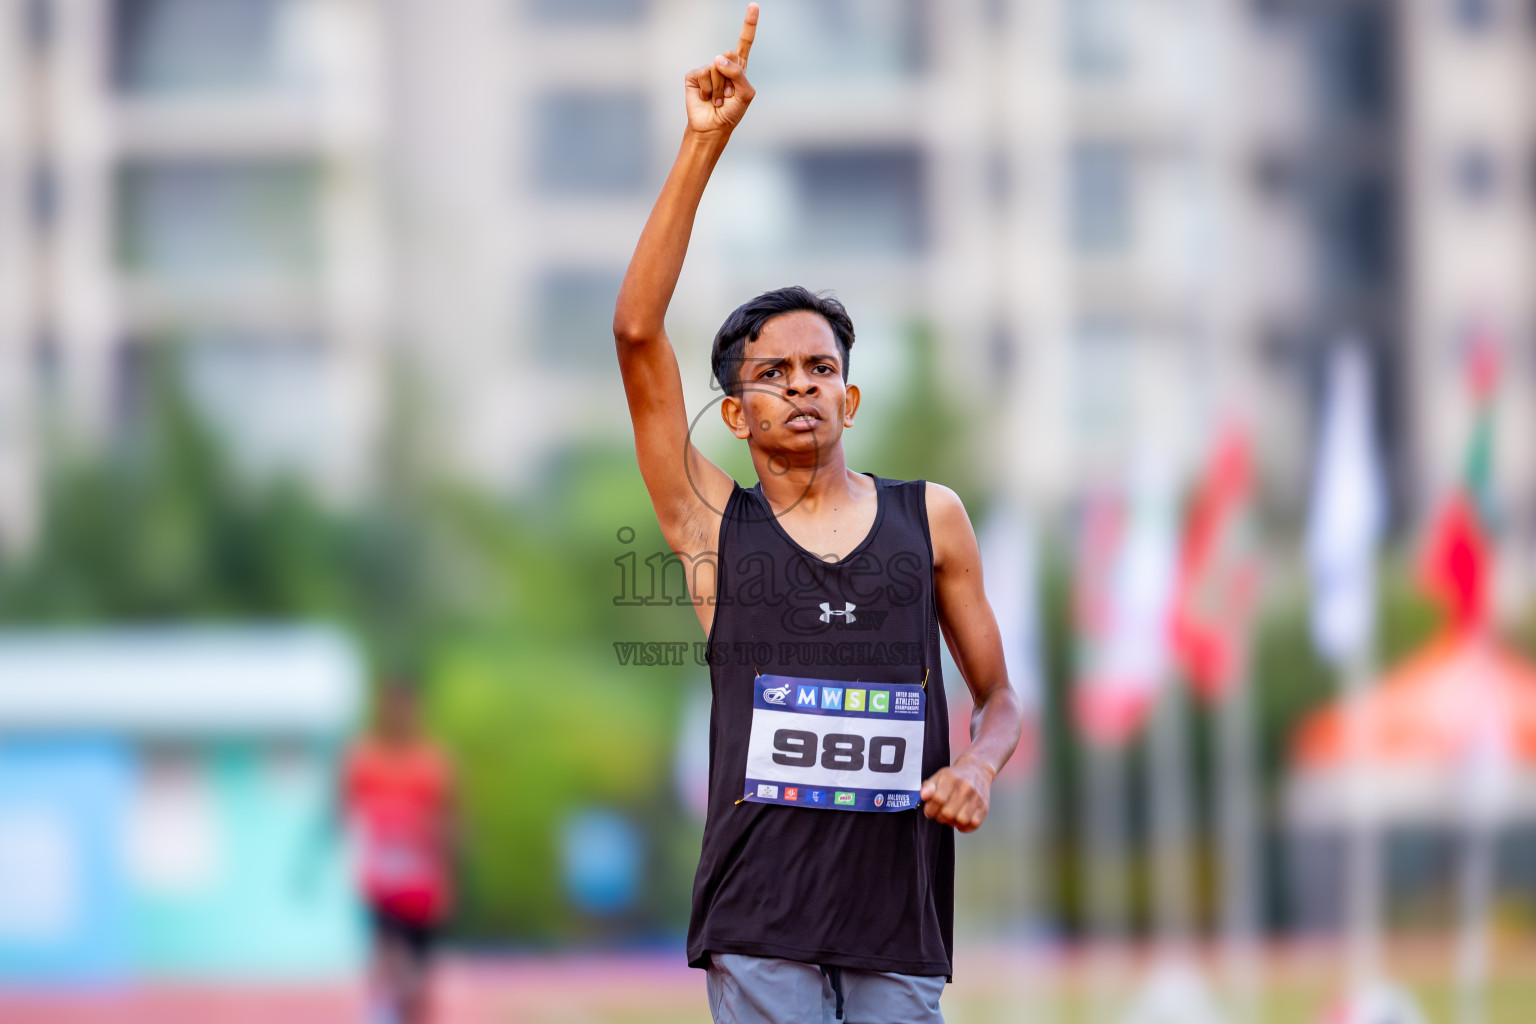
524, 990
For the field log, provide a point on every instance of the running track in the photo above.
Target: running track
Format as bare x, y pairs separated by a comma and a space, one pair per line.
526, 990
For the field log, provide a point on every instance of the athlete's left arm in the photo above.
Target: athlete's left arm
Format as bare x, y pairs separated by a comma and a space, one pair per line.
961, 794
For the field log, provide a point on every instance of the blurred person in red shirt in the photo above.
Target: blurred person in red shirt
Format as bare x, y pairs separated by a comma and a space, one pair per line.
398, 793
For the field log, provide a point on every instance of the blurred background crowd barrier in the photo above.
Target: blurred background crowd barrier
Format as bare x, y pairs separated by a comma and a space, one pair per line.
1219, 314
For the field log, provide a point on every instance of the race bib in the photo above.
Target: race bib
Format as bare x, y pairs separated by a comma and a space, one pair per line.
835, 745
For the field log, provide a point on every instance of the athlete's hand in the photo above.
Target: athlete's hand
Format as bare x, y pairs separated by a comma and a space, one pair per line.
958, 795
718, 92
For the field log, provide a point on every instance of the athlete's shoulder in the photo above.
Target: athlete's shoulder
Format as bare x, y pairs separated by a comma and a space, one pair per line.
943, 502
949, 525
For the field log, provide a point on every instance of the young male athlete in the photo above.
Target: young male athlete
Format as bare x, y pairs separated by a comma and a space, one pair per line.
823, 892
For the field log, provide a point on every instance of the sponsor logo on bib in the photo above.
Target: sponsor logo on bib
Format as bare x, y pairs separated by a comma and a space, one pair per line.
838, 746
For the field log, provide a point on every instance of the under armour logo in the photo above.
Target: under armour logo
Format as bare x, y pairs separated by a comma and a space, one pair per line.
846, 613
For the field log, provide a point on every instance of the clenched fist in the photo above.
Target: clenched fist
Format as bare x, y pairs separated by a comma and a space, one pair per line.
958, 795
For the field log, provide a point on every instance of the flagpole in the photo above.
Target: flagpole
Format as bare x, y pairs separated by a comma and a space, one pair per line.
1363, 868
1168, 800
1243, 870
1487, 779
1103, 810
1477, 869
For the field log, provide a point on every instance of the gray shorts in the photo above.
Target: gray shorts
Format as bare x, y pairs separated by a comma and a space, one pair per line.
762, 990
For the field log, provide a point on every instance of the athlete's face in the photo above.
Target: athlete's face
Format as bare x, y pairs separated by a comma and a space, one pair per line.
398, 714
793, 398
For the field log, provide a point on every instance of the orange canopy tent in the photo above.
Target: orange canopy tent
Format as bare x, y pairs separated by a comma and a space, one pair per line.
1424, 727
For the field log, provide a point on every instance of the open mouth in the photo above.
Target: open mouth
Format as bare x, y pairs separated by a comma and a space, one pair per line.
803, 420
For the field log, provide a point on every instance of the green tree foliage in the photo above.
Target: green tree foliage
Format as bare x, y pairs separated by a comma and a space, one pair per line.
159, 527
920, 433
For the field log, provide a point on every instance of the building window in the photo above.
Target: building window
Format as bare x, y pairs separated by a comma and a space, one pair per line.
268, 399
1356, 47
578, 12
47, 372
1274, 12
1104, 354
842, 39
1279, 176
1475, 15
1098, 38
39, 24
43, 195
1102, 197
210, 219
862, 200
161, 46
1000, 176
995, 15
1361, 232
1476, 174
593, 143
575, 314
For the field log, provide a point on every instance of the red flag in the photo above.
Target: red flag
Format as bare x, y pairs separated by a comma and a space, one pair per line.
1125, 584
1456, 564
1217, 579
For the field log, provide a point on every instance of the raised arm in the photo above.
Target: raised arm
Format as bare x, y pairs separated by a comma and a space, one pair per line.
682, 494
961, 794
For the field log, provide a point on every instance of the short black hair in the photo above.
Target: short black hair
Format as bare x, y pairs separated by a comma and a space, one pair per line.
746, 322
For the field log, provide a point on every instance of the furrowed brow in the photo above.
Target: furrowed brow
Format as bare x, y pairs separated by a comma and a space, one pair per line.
765, 362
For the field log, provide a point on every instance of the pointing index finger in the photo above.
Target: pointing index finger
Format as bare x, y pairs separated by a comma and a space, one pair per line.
748, 33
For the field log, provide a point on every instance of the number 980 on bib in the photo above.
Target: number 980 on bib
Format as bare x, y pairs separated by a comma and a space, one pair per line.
835, 745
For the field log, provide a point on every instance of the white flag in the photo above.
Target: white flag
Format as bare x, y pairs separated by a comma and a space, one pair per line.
1008, 568
1348, 509
1124, 654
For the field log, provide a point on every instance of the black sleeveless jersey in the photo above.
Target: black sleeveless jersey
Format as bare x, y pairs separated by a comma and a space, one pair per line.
864, 890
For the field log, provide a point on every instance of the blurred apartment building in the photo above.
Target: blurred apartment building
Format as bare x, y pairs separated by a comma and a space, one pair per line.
1121, 219
1054, 189
1124, 220
203, 174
